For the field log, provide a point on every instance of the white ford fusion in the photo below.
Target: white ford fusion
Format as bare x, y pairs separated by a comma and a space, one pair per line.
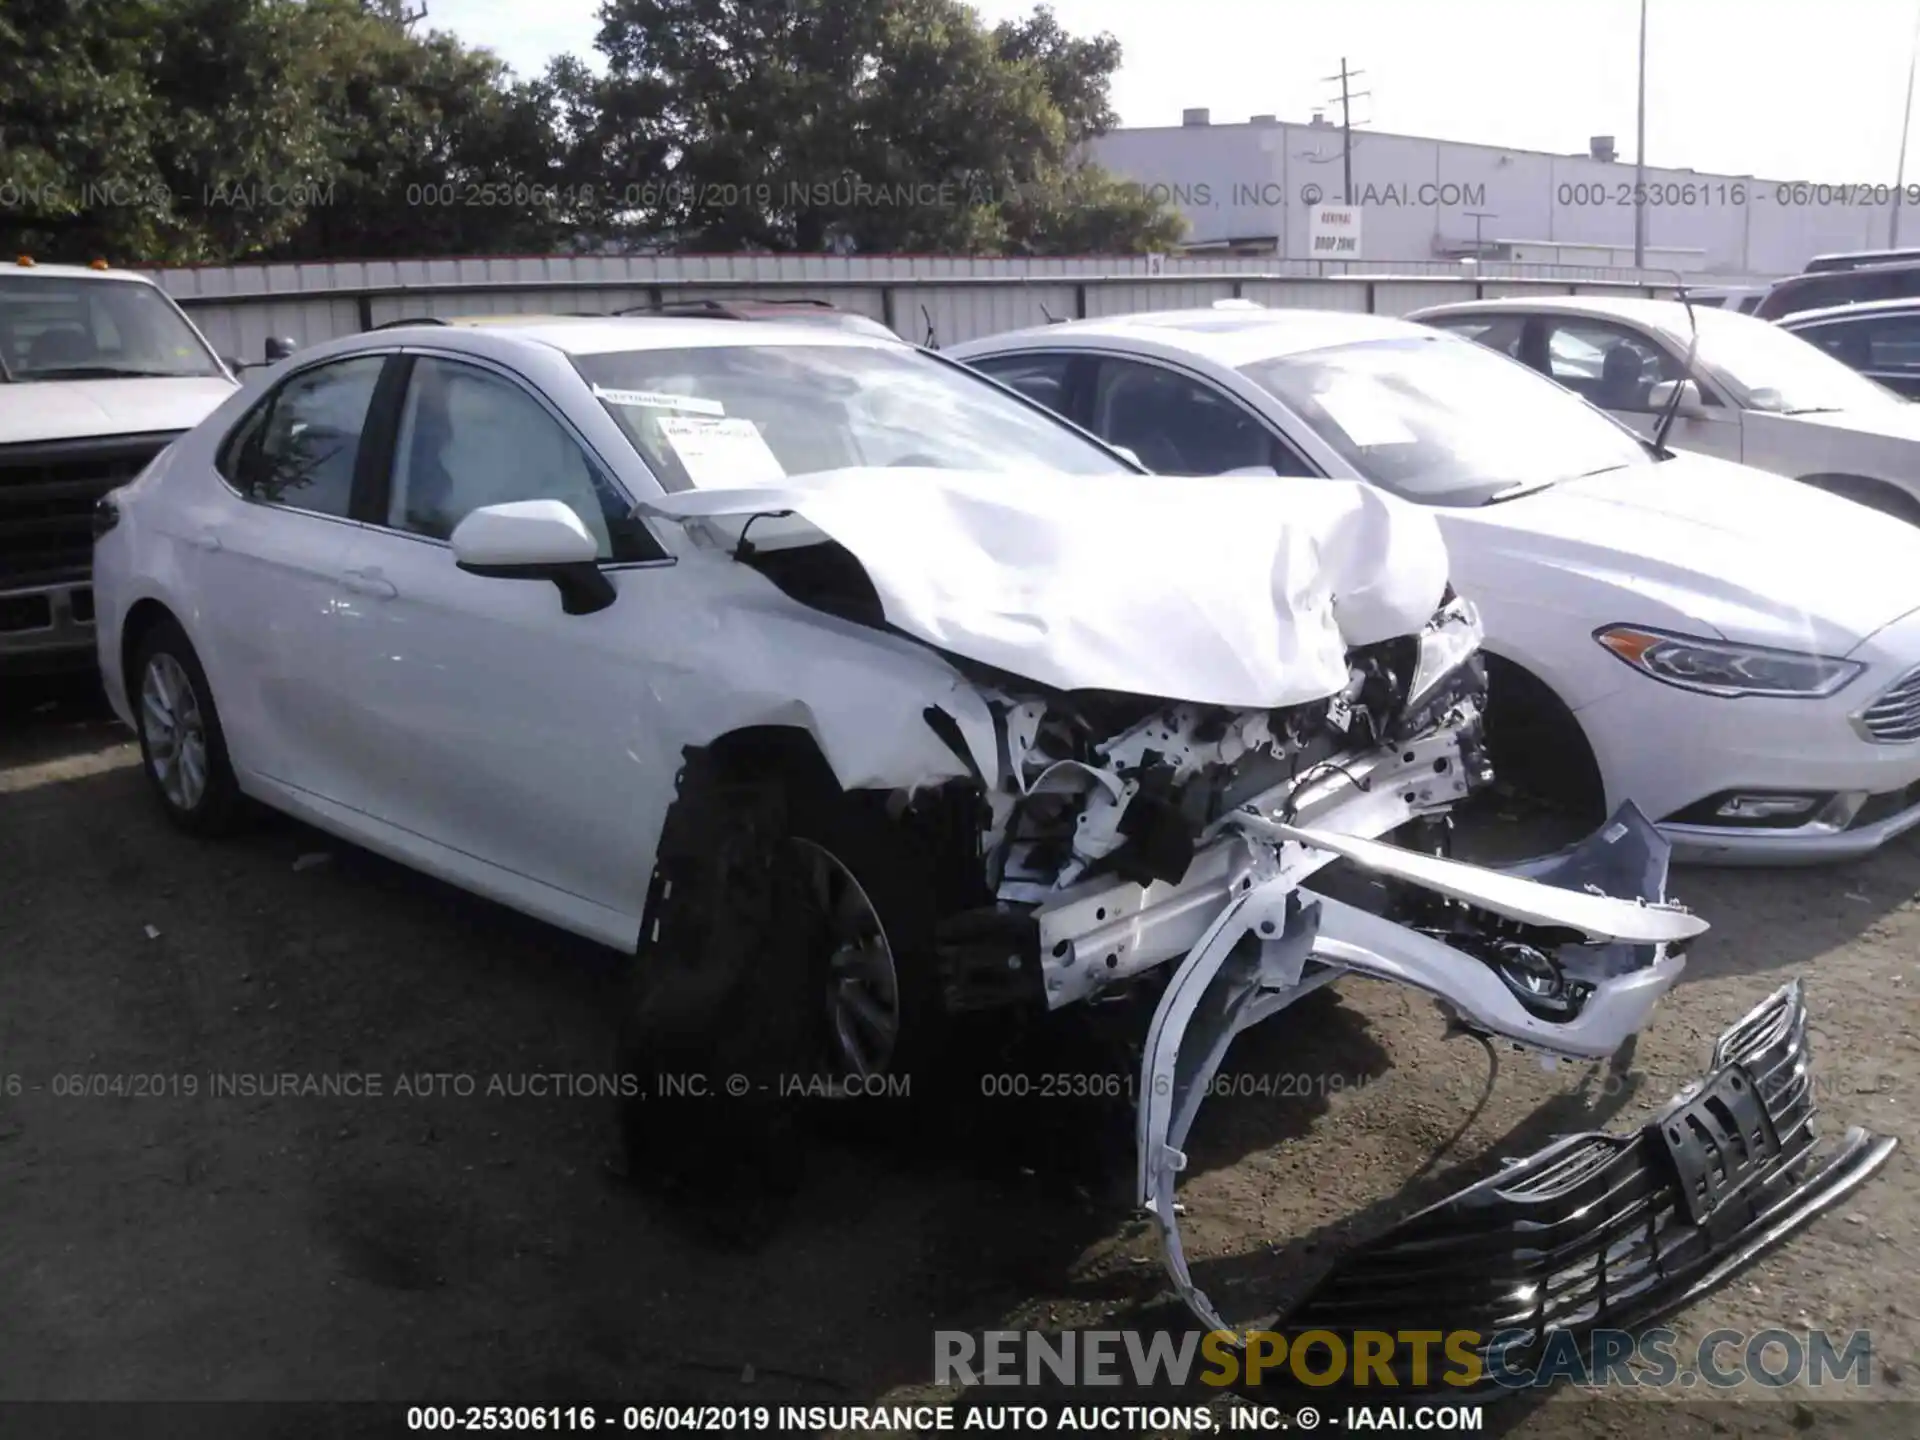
1735, 653
850, 692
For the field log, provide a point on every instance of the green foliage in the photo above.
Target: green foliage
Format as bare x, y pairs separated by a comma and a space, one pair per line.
182, 131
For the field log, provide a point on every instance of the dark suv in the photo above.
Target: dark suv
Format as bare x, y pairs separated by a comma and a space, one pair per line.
1896, 280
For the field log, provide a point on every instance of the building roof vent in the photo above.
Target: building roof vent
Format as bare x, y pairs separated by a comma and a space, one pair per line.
1195, 117
1600, 147
1265, 120
1319, 118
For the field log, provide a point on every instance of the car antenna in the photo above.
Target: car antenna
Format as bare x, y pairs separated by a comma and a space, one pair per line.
1052, 319
1686, 370
932, 341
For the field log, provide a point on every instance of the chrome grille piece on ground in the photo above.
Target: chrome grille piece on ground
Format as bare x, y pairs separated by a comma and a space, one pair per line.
1613, 1230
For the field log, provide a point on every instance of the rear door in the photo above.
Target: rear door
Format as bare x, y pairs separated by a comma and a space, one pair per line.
266, 555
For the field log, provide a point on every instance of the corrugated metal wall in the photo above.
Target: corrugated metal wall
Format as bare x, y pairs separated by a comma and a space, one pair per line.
951, 298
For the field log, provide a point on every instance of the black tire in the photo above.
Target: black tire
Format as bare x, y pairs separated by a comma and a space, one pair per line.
215, 806
725, 1044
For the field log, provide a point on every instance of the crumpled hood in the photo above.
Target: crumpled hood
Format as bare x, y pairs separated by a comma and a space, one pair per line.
1232, 591
32, 410
1759, 557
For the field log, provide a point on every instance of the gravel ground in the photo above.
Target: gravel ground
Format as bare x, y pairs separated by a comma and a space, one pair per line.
434, 1244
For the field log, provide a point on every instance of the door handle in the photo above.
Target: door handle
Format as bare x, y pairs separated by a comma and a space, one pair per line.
370, 582
206, 540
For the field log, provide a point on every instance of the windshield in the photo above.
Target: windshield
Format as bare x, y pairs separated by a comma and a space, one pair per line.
723, 415
54, 328
1445, 421
1778, 370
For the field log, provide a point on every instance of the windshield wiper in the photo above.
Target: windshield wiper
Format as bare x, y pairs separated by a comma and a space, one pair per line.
97, 372
1812, 410
1519, 488
1533, 487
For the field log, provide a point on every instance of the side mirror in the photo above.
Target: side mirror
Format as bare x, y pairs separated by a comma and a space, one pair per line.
1691, 403
233, 365
1264, 471
277, 348
535, 540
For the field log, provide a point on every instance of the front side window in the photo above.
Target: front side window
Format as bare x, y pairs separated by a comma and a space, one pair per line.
1610, 365
55, 328
1041, 378
1893, 343
1444, 421
717, 416
298, 447
469, 438
1845, 342
1178, 425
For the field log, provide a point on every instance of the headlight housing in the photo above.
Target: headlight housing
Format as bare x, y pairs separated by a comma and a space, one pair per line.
1450, 640
1722, 667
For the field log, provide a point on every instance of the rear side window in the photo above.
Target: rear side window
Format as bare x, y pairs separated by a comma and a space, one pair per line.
298, 447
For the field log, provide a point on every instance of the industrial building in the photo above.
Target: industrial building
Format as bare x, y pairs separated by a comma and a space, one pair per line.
1247, 188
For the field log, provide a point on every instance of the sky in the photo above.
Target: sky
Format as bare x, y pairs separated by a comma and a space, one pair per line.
1779, 89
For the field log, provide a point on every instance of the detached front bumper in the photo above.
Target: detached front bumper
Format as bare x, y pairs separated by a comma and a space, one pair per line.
1594, 1229
1612, 1230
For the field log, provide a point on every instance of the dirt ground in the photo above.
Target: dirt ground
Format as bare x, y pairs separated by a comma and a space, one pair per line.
442, 1245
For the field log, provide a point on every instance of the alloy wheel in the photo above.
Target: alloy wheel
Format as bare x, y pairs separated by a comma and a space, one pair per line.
175, 731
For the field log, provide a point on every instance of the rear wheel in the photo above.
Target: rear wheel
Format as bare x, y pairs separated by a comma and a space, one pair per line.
182, 747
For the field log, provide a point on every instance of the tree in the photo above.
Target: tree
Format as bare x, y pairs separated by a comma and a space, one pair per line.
175, 131
879, 125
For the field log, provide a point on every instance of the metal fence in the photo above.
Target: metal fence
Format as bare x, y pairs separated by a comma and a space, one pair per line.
946, 299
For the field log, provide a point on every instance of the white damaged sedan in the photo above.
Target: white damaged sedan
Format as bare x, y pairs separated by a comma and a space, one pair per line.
850, 693
1735, 653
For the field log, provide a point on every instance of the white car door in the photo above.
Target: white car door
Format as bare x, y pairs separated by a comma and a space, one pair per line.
504, 740
265, 554
1617, 367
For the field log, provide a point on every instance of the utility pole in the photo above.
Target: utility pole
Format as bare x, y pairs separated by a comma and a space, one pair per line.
1906, 121
1640, 156
1347, 97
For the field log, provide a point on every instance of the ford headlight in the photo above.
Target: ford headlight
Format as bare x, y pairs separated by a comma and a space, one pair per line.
1721, 667
1451, 639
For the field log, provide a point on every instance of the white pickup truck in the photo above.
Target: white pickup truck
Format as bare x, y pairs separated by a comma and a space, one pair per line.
99, 371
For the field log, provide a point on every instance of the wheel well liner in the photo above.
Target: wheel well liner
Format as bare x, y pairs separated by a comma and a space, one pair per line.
141, 620
1510, 681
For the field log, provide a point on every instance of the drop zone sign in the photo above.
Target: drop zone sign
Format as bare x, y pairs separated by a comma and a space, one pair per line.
1333, 232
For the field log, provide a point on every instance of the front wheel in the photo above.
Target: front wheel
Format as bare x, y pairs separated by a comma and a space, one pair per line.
786, 958
182, 747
